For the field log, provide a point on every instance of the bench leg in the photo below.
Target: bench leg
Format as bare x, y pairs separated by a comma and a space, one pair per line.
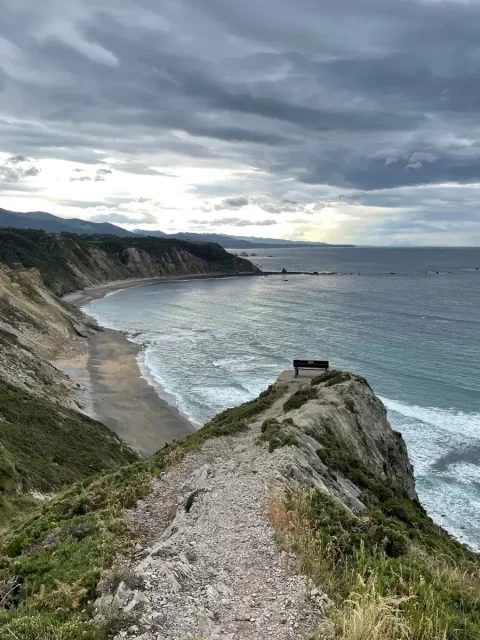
296, 372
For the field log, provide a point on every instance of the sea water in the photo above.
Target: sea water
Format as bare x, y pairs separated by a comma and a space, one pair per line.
406, 319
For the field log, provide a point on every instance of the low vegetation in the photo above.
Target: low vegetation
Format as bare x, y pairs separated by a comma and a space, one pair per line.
331, 378
390, 572
46, 447
299, 398
276, 434
54, 558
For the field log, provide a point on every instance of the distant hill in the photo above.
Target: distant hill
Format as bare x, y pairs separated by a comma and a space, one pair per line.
231, 242
276, 241
237, 242
54, 224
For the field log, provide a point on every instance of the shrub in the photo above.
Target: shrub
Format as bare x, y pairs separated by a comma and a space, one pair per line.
299, 398
387, 579
8, 473
274, 434
40, 447
324, 377
331, 378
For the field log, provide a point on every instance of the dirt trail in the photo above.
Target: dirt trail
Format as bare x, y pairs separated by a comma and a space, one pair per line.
211, 567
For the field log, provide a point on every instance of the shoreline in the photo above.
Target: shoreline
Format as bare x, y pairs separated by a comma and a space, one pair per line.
84, 296
110, 386
124, 401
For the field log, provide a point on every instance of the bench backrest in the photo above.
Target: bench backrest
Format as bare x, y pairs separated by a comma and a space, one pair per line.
310, 364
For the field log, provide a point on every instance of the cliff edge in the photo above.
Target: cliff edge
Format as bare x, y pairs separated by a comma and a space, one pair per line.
45, 443
291, 516
37, 327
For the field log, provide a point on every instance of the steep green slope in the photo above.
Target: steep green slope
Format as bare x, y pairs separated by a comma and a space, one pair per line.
68, 261
47, 447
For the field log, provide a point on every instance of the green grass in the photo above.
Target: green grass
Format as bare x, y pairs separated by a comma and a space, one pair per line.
435, 579
44, 446
275, 435
299, 398
393, 550
57, 554
331, 378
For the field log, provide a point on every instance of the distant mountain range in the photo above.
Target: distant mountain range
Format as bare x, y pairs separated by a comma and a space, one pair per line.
235, 242
54, 224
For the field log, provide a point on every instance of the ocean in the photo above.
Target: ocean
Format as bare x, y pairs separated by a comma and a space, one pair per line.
408, 319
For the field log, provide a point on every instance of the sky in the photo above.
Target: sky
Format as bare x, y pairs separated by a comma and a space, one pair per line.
351, 121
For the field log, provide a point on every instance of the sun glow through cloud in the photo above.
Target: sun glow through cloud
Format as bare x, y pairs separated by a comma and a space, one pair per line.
282, 120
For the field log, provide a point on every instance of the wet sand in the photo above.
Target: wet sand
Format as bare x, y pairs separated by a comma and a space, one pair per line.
124, 401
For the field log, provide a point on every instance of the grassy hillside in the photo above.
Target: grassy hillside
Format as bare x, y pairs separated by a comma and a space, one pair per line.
68, 261
46, 447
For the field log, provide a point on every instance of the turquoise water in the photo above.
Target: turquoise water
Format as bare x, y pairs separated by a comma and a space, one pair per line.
413, 332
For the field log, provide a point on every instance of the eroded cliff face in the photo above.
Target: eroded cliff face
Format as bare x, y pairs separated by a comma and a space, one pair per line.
68, 262
344, 417
36, 328
137, 263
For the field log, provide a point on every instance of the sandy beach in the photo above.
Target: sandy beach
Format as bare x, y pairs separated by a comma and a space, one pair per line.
124, 401
109, 384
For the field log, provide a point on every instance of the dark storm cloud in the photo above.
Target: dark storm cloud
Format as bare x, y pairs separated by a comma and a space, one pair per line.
362, 95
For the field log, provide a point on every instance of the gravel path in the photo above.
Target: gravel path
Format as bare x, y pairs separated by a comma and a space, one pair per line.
211, 569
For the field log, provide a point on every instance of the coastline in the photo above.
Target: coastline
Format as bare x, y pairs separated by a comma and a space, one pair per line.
119, 395
124, 401
84, 296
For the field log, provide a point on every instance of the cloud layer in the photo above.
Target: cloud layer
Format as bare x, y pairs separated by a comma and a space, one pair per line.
346, 120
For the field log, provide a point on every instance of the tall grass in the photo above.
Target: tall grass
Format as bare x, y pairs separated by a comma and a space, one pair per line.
418, 595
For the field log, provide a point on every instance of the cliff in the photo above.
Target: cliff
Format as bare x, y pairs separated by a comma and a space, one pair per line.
45, 444
68, 262
292, 514
36, 327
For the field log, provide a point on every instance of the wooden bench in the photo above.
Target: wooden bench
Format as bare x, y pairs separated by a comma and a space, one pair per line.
310, 364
